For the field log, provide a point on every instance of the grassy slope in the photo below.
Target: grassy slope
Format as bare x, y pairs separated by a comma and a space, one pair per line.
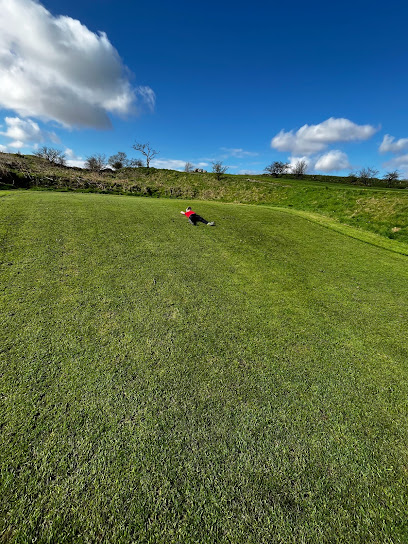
381, 211
244, 383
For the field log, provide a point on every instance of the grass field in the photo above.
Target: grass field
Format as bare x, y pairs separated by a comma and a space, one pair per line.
168, 384
381, 211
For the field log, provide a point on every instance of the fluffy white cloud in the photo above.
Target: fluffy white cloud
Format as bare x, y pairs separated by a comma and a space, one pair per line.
333, 160
25, 132
168, 164
55, 68
308, 160
72, 159
389, 145
17, 144
311, 139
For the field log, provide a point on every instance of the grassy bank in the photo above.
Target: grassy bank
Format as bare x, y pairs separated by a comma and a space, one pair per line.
164, 383
381, 211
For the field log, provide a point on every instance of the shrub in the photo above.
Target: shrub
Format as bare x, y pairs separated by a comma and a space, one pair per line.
119, 160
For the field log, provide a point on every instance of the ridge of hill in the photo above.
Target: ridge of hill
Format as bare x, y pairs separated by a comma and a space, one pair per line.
379, 210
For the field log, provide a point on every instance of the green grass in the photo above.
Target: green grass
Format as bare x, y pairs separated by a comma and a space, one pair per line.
380, 211
162, 383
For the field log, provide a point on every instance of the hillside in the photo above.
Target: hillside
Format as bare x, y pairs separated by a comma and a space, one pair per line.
164, 383
379, 210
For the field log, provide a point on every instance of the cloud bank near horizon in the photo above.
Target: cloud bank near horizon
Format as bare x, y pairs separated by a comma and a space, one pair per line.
176, 164
399, 149
61, 71
25, 132
310, 139
329, 162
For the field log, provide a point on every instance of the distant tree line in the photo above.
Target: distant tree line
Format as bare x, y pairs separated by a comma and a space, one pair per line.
98, 162
368, 177
365, 176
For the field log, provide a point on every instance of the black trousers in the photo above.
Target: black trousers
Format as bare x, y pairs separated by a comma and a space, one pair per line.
194, 219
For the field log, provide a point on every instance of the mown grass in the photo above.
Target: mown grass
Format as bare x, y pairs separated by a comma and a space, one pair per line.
377, 210
164, 383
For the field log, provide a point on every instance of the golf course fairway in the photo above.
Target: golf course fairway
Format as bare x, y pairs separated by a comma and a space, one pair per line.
163, 383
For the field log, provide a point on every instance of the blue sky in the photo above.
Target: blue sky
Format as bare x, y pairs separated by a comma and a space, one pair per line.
245, 83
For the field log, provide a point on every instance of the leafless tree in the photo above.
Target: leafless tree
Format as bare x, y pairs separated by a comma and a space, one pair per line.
366, 175
390, 177
96, 162
146, 150
54, 156
277, 168
299, 169
219, 169
188, 167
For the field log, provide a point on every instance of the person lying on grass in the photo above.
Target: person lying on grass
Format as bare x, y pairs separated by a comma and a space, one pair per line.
193, 218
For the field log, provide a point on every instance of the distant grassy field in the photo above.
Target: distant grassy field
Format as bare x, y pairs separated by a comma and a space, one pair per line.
246, 383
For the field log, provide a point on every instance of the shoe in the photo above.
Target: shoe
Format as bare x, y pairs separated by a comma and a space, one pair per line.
212, 224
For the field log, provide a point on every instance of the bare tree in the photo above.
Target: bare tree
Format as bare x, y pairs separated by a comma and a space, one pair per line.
299, 169
188, 167
366, 175
146, 150
219, 169
390, 177
96, 162
277, 168
119, 160
54, 156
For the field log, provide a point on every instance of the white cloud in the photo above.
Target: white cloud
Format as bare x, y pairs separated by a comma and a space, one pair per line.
25, 133
80, 163
333, 160
239, 153
17, 144
308, 160
176, 164
311, 139
72, 159
3, 149
398, 163
147, 95
402, 159
168, 164
389, 145
329, 162
55, 68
